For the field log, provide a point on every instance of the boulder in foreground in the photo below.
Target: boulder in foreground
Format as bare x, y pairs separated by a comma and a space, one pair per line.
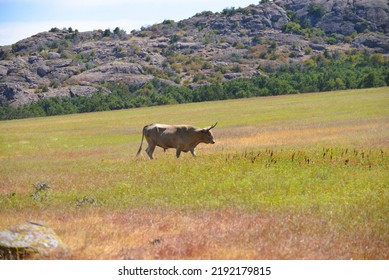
29, 240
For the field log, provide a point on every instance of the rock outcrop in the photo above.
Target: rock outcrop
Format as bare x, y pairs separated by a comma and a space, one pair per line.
343, 17
199, 50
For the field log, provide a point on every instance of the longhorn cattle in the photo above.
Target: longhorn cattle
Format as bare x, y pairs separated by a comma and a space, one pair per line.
183, 138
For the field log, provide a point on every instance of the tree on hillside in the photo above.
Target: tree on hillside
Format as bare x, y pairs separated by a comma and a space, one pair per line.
316, 10
373, 79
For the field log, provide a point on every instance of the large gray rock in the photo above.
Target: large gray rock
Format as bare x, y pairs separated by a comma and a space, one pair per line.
3, 71
342, 16
256, 18
82, 91
14, 93
74, 91
37, 41
131, 73
29, 240
374, 41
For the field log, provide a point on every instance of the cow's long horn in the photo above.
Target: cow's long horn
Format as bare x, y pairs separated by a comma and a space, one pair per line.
212, 126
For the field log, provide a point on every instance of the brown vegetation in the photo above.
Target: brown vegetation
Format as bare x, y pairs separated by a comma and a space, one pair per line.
218, 234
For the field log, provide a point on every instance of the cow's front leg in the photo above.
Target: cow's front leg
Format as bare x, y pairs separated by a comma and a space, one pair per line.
193, 152
178, 153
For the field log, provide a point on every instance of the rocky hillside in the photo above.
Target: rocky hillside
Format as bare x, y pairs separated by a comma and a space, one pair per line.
207, 48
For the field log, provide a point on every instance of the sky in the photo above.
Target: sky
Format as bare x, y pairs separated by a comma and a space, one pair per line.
20, 19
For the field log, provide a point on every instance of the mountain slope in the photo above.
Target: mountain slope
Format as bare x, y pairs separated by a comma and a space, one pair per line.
207, 48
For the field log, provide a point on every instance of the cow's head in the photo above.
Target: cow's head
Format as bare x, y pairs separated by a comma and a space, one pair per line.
207, 136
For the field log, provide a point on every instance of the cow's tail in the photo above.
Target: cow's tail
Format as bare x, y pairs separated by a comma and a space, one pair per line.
141, 143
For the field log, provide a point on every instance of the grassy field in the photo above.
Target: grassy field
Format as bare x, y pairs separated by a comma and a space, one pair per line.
290, 177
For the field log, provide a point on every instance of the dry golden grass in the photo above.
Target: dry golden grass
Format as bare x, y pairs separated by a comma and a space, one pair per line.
217, 234
251, 137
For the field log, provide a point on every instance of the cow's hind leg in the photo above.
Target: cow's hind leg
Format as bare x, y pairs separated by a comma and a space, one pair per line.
178, 153
150, 150
151, 147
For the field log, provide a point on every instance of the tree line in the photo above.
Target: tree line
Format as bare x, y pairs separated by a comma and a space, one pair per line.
327, 72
